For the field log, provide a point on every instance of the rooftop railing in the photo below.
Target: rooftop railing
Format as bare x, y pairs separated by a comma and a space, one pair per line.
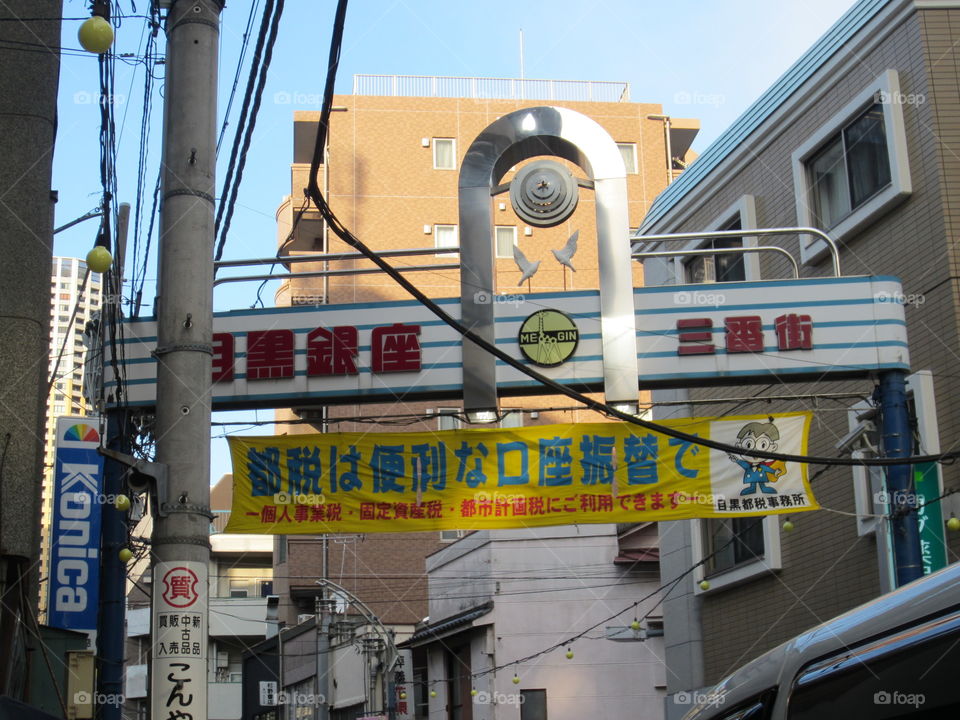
478, 88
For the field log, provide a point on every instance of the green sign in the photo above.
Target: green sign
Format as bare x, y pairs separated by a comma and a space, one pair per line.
548, 338
926, 482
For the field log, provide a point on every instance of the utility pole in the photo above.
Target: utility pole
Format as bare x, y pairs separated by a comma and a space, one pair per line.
898, 442
28, 107
181, 537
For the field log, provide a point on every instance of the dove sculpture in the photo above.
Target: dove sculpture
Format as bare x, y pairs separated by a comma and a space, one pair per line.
565, 256
527, 269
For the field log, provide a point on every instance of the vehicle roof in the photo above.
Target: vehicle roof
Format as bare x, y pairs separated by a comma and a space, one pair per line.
928, 596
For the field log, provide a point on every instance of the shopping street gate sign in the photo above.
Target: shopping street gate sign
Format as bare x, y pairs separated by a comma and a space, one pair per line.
687, 335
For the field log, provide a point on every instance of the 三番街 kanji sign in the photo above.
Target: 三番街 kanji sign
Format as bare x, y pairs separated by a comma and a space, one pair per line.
522, 477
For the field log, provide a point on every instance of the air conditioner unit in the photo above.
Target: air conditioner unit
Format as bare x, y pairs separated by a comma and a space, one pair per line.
304, 617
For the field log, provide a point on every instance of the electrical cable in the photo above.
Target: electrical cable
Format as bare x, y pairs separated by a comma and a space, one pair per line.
344, 234
236, 77
257, 92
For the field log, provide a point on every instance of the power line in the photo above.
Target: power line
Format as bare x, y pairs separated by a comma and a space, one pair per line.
257, 93
236, 76
344, 234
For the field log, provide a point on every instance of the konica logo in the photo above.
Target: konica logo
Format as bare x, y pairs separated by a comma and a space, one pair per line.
75, 533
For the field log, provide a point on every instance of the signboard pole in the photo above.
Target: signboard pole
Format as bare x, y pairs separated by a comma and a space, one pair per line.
111, 629
181, 537
905, 533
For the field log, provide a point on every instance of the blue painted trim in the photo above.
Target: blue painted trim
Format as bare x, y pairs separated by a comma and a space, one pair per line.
700, 309
772, 350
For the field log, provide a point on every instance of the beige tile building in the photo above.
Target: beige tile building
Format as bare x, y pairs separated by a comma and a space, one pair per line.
391, 175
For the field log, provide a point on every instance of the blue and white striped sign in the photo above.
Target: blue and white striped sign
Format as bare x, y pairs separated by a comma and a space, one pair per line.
687, 335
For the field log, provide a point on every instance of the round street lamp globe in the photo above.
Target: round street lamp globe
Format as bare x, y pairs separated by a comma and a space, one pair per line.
99, 259
125, 555
122, 503
95, 35
953, 524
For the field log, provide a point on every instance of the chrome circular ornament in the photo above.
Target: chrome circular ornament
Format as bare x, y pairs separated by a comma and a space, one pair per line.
544, 193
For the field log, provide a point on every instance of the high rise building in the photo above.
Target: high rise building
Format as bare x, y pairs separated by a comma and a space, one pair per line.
75, 297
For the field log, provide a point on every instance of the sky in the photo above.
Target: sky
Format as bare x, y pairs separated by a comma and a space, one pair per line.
705, 59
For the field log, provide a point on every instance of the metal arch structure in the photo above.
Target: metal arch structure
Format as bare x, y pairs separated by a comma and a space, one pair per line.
515, 137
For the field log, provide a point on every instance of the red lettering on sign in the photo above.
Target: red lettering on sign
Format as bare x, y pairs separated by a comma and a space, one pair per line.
180, 587
695, 337
222, 357
332, 352
744, 334
794, 332
269, 354
395, 348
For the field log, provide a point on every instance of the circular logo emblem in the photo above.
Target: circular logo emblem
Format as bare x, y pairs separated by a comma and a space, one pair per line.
548, 338
180, 587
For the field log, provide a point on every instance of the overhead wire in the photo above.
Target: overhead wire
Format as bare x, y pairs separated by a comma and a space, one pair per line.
238, 156
236, 77
344, 234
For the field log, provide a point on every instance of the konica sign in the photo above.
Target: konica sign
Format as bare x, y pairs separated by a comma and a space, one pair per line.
74, 577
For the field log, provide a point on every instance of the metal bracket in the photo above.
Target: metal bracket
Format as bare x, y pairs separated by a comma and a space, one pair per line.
144, 474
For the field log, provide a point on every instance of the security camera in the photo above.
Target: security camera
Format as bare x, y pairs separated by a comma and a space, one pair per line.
858, 438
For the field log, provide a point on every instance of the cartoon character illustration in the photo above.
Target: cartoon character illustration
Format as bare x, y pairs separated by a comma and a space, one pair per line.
757, 473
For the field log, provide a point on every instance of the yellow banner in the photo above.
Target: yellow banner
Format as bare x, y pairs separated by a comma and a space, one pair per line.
521, 477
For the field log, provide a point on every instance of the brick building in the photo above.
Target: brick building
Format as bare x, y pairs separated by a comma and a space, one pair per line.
854, 139
391, 176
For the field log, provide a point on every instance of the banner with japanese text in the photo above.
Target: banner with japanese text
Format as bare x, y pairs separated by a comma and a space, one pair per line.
518, 477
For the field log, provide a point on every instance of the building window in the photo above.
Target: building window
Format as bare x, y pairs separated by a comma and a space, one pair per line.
733, 550
533, 705
855, 167
444, 154
725, 267
717, 268
281, 548
451, 535
506, 240
445, 236
511, 418
629, 153
239, 588
728, 543
448, 418
850, 169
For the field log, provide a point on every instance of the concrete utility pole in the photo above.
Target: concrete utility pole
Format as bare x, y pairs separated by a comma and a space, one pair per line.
181, 537
29, 75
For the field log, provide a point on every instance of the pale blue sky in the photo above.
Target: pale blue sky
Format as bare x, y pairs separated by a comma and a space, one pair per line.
719, 54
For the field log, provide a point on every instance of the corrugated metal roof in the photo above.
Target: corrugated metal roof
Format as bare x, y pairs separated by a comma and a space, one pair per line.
798, 73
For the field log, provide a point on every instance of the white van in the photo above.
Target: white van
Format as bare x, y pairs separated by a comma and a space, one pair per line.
897, 656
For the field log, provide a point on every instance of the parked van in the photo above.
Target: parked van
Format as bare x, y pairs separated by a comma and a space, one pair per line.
897, 656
